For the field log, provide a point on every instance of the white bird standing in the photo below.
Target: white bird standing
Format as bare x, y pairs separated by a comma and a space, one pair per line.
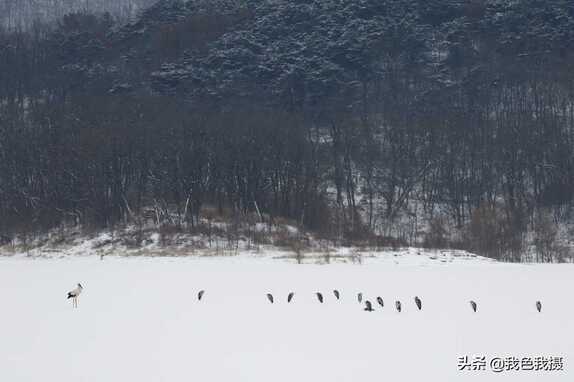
75, 294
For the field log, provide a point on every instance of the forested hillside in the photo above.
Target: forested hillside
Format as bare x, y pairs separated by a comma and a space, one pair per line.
23, 14
436, 122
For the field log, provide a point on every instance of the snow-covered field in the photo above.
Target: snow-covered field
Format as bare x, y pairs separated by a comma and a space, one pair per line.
139, 319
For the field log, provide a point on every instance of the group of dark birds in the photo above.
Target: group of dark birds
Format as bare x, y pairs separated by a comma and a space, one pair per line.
475, 307
398, 304
368, 304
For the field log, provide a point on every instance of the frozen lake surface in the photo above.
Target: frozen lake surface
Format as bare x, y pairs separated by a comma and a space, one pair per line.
139, 319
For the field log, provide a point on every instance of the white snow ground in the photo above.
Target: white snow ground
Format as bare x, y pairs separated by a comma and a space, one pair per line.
139, 319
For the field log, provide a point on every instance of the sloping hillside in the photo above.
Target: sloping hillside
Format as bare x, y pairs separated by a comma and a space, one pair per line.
440, 123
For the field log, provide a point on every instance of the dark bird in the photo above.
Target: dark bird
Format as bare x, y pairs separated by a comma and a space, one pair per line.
368, 306
320, 297
336, 293
200, 295
473, 305
398, 306
418, 302
290, 297
538, 306
360, 297
270, 297
380, 301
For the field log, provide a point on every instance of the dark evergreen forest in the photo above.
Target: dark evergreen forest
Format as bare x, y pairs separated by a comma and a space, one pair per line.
356, 119
23, 14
